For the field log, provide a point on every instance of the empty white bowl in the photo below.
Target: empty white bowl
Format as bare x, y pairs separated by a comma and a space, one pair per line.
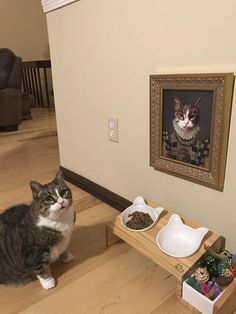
140, 206
179, 240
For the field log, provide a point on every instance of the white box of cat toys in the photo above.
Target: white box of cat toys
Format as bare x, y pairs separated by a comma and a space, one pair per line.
223, 303
211, 288
198, 300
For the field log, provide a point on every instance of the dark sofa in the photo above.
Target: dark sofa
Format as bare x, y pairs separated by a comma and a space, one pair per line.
10, 90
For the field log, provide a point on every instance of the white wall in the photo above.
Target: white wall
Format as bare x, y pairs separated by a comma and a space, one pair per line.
102, 55
23, 29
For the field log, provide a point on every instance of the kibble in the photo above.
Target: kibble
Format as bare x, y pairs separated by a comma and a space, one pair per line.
139, 220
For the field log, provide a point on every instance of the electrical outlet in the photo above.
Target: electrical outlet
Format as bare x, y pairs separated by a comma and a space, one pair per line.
113, 134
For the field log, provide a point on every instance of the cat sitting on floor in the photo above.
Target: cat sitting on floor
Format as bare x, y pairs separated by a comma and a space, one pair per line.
34, 236
183, 144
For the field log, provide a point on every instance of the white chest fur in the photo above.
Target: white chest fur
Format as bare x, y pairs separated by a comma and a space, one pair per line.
64, 224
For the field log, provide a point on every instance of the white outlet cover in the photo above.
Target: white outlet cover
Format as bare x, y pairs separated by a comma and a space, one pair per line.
113, 134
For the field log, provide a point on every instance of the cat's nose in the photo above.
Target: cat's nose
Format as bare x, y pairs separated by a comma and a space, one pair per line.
60, 201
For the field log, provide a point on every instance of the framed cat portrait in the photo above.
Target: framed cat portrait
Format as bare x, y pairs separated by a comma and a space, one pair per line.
189, 125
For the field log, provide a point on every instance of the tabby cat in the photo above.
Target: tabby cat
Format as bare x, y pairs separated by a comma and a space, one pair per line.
34, 236
183, 143
186, 122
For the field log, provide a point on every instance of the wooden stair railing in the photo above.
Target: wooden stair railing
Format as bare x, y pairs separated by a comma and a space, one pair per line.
36, 81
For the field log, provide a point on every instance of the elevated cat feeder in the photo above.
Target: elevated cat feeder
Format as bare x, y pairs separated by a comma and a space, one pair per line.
180, 267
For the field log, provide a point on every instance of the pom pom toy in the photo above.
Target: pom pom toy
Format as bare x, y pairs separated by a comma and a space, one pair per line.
223, 268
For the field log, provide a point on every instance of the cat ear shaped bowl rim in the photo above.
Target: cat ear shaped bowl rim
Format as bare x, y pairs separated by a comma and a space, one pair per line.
179, 240
140, 205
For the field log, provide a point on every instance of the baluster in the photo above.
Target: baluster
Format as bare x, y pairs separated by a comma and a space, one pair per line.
32, 80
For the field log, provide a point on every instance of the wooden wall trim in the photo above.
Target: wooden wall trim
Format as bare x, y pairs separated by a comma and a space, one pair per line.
96, 190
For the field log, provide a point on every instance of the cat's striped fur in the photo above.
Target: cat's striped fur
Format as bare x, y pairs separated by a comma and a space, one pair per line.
33, 236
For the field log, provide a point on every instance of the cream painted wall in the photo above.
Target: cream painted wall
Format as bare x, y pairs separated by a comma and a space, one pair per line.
23, 29
102, 55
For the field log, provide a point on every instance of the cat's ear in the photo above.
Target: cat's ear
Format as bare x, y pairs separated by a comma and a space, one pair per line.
177, 102
59, 177
197, 103
35, 188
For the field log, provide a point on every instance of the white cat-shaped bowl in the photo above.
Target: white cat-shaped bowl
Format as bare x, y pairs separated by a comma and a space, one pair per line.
179, 240
140, 206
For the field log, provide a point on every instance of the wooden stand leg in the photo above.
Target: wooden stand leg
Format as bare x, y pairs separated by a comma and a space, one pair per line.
111, 238
179, 291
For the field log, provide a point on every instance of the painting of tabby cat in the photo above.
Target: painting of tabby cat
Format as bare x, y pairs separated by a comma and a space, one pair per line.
185, 140
34, 236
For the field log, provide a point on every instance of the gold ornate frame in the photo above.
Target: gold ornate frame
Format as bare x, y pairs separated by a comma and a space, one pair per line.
221, 84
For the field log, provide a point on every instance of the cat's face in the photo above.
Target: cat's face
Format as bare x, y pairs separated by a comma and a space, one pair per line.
53, 198
186, 116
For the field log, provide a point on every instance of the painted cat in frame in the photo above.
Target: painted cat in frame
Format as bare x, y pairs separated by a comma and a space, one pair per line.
189, 125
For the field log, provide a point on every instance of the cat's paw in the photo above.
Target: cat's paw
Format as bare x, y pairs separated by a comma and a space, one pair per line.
48, 283
66, 257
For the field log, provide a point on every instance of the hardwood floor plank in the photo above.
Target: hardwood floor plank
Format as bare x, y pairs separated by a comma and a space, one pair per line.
139, 295
95, 286
172, 306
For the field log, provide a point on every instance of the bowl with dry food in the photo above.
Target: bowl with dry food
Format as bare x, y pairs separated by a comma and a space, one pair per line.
139, 216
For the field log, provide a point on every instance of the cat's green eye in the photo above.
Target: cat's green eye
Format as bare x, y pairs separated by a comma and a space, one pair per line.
191, 118
64, 193
49, 199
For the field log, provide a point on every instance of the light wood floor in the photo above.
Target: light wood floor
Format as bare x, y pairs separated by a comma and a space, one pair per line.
104, 280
